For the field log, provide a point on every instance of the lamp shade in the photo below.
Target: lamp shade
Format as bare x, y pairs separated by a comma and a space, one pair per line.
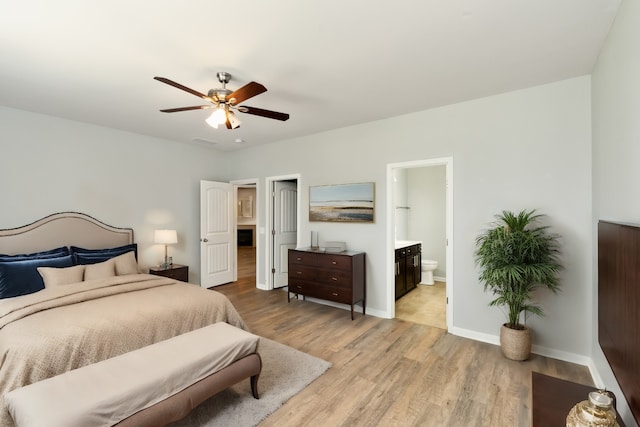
218, 117
165, 237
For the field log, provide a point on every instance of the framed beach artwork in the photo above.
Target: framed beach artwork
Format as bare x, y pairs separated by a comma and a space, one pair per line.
342, 202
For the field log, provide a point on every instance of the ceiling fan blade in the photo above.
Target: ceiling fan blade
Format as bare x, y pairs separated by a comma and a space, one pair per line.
181, 87
264, 113
196, 107
247, 91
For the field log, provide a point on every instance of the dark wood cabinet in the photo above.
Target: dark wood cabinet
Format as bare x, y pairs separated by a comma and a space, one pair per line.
552, 399
400, 274
174, 271
408, 271
413, 262
337, 277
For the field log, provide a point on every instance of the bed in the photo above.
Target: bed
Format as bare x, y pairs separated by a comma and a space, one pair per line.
72, 323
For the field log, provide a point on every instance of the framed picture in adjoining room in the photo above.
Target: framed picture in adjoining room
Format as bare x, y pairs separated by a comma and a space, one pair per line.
342, 202
246, 208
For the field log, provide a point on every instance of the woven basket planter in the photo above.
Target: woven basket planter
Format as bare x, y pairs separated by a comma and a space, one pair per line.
515, 343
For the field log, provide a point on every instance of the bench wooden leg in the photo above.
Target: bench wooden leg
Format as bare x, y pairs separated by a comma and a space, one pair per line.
254, 386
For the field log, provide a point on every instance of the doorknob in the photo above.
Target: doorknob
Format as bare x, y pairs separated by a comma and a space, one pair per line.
204, 240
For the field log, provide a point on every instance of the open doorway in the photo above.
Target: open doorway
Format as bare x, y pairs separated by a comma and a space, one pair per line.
420, 215
247, 236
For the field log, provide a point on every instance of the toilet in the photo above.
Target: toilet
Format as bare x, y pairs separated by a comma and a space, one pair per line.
428, 266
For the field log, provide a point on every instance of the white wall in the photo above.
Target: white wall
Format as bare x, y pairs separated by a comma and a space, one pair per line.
51, 165
616, 150
427, 214
519, 150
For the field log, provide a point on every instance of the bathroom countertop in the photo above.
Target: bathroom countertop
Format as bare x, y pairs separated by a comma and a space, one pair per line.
405, 243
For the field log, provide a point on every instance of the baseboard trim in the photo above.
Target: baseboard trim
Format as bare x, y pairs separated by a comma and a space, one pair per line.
535, 349
357, 308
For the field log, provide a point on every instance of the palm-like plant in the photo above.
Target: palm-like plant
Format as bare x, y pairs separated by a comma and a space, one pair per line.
515, 257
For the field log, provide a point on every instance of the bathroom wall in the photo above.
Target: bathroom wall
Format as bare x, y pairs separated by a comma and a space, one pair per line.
426, 196
401, 203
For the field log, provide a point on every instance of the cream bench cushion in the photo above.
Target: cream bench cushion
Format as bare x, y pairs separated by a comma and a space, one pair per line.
112, 390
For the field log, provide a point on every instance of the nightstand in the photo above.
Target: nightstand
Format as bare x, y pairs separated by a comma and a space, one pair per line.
174, 271
552, 399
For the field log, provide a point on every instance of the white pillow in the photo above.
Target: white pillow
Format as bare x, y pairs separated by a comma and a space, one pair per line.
53, 276
126, 264
100, 270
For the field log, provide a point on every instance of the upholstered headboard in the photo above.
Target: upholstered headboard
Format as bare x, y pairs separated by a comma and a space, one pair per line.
63, 229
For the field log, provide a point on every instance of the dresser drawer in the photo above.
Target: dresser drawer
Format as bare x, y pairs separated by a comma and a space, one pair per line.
333, 293
316, 290
298, 287
335, 262
306, 258
300, 272
340, 278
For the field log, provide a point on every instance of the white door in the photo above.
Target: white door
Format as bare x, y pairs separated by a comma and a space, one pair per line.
217, 234
285, 228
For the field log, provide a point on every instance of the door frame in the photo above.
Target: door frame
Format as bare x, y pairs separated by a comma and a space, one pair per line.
237, 183
391, 220
269, 220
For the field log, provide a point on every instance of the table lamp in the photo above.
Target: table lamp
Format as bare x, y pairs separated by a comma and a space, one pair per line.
165, 237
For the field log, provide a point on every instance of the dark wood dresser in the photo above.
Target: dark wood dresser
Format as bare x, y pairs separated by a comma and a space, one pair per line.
337, 277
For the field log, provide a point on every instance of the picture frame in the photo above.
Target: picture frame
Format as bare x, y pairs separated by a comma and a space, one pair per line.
342, 202
246, 208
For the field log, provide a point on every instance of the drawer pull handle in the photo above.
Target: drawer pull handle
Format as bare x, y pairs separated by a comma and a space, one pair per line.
334, 294
335, 279
334, 262
298, 286
298, 259
299, 272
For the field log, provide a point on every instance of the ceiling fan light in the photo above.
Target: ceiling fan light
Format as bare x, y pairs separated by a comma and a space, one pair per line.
218, 117
235, 122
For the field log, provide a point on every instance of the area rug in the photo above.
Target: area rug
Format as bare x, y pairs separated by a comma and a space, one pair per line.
285, 372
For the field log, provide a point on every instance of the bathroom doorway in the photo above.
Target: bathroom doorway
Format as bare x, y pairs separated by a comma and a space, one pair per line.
247, 236
420, 212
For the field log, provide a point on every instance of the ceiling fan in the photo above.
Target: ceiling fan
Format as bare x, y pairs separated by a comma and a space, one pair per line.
224, 101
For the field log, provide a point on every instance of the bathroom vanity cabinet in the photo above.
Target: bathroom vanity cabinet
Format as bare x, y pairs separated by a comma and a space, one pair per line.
408, 271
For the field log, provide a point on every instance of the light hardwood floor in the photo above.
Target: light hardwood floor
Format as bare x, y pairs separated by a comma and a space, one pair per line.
390, 372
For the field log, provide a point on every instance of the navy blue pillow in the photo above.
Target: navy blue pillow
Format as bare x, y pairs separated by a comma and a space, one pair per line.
21, 277
93, 256
53, 253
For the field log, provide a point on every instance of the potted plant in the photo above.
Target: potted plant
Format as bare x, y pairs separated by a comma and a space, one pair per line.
515, 257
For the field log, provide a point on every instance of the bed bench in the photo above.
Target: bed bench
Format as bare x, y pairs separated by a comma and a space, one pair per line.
151, 386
